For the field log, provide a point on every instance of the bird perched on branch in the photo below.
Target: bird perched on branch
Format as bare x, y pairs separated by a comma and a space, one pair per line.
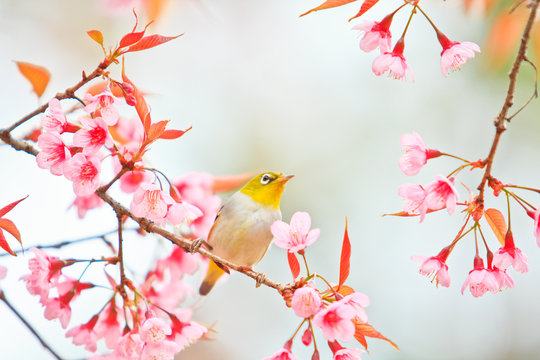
241, 232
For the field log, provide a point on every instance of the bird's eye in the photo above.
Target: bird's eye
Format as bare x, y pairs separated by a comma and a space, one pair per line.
266, 178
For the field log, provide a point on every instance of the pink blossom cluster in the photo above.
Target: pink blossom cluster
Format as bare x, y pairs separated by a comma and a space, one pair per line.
296, 236
376, 34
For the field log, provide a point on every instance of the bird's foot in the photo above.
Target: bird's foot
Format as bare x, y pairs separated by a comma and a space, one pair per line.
260, 279
195, 245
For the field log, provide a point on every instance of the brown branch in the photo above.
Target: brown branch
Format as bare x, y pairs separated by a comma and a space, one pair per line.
23, 320
500, 121
68, 93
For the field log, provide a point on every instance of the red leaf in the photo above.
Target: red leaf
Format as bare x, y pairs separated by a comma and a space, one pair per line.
151, 41
140, 103
37, 75
4, 245
155, 130
345, 261
133, 37
368, 4
294, 265
497, 222
10, 227
113, 283
96, 35
173, 134
7, 208
364, 329
329, 4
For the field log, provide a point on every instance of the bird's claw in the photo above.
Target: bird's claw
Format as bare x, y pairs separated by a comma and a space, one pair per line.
195, 245
260, 279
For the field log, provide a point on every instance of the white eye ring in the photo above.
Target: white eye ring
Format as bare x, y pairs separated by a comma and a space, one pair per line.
266, 178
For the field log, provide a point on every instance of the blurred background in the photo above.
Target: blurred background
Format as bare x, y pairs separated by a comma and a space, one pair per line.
267, 90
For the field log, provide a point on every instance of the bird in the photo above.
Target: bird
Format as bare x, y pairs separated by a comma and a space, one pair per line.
241, 231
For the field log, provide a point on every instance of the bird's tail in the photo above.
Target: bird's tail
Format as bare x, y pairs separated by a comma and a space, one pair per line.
213, 273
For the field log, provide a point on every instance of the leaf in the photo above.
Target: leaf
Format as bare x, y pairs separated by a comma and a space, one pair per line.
10, 227
497, 222
37, 75
7, 208
151, 41
329, 4
294, 265
97, 36
230, 182
4, 245
503, 37
344, 290
156, 129
140, 103
173, 134
366, 5
364, 329
133, 37
345, 261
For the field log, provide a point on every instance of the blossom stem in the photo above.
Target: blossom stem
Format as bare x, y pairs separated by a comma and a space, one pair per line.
313, 335
523, 188
428, 19
409, 21
519, 199
305, 262
330, 287
483, 238
476, 238
459, 236
458, 169
297, 330
28, 326
508, 204
455, 157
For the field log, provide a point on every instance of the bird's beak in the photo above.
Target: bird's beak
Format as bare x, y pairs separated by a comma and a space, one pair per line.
284, 179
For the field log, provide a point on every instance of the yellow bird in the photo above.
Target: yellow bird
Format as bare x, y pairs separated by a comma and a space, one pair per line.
241, 232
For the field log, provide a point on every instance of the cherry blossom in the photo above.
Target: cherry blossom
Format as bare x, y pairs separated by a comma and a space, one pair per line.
455, 54
435, 265
85, 203
54, 153
44, 271
282, 354
441, 194
415, 199
85, 334
393, 62
182, 211
296, 236
59, 308
376, 34
480, 280
54, 119
510, 255
154, 332
306, 301
130, 181
108, 326
348, 354
151, 202
104, 103
184, 331
129, 347
358, 302
503, 279
536, 216
93, 136
336, 321
416, 154
84, 172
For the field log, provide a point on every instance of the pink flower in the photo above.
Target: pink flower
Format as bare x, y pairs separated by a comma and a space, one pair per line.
336, 321
3, 272
510, 255
306, 301
154, 332
416, 154
307, 337
296, 236
107, 325
54, 153
536, 216
130, 181
358, 302
480, 280
441, 194
393, 62
435, 265
84, 172
151, 202
348, 354
282, 354
503, 279
85, 203
376, 34
184, 331
58, 308
415, 199
104, 103
179, 212
92, 136
129, 347
54, 120
44, 271
85, 335
455, 54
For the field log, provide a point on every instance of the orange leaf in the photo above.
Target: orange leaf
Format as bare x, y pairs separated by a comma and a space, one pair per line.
344, 290
151, 41
329, 4
7, 208
503, 37
10, 227
497, 222
294, 265
4, 245
140, 103
366, 5
173, 134
96, 35
345, 261
37, 75
154, 8
156, 130
364, 329
230, 182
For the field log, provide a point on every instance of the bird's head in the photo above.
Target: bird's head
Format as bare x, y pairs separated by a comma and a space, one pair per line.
266, 188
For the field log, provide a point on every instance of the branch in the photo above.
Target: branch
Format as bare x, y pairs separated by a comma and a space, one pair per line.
68, 93
500, 125
43, 343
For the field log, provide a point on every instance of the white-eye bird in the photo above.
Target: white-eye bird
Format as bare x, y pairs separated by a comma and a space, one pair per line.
241, 232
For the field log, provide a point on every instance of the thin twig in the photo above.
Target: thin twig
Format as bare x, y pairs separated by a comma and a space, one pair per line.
500, 121
34, 332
